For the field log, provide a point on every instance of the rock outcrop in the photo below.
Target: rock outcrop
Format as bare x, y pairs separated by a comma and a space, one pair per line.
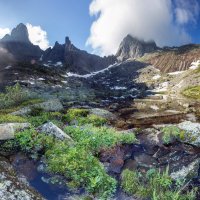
8, 130
133, 48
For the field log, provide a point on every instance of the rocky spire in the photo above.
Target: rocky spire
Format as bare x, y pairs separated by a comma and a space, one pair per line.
132, 47
18, 34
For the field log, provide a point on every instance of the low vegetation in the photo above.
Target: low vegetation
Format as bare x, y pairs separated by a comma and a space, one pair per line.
192, 92
77, 161
171, 133
13, 96
154, 185
6, 118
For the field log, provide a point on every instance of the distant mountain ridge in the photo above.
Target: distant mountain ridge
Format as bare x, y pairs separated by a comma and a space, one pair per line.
17, 47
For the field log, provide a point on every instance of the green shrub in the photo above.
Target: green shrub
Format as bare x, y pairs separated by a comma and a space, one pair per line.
6, 118
32, 142
97, 138
92, 119
13, 96
75, 113
82, 168
192, 92
40, 118
154, 185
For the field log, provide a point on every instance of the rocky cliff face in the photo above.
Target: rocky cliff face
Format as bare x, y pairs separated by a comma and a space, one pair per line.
133, 48
19, 46
76, 60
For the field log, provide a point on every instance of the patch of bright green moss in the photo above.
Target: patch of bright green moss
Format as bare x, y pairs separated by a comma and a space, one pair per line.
192, 92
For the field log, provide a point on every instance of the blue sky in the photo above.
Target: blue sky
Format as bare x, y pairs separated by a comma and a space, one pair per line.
59, 18
168, 22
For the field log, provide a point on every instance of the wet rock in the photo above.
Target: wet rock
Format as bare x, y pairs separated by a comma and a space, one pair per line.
144, 160
113, 159
23, 165
48, 106
8, 130
192, 132
51, 129
12, 187
103, 113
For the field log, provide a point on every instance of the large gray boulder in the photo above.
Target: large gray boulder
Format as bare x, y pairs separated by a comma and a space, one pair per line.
8, 130
51, 129
48, 106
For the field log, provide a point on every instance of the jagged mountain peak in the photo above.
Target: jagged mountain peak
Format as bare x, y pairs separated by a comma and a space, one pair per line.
18, 34
132, 47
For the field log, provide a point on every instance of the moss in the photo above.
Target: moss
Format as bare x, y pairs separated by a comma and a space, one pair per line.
192, 92
75, 113
6, 118
31, 102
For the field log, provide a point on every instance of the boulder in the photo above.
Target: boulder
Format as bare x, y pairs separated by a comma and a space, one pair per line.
192, 132
51, 129
14, 187
8, 130
187, 172
103, 113
48, 106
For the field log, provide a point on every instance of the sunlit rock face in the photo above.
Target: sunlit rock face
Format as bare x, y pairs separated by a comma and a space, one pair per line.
133, 48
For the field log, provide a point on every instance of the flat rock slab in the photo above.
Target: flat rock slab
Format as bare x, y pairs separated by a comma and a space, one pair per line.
8, 130
156, 118
51, 129
48, 106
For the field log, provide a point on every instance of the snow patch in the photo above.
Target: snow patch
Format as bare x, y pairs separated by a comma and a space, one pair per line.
118, 88
176, 73
156, 77
69, 74
8, 67
195, 65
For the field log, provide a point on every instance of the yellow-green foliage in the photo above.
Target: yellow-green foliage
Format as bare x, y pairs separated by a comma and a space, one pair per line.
192, 92
6, 118
75, 113
82, 116
31, 102
154, 185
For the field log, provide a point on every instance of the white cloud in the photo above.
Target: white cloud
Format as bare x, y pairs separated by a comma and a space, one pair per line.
186, 11
38, 36
3, 32
145, 19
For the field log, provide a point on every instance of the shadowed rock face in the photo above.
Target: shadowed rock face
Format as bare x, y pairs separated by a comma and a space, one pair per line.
132, 47
19, 45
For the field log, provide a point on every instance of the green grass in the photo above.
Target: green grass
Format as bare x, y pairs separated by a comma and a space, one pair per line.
6, 118
192, 92
170, 133
154, 185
